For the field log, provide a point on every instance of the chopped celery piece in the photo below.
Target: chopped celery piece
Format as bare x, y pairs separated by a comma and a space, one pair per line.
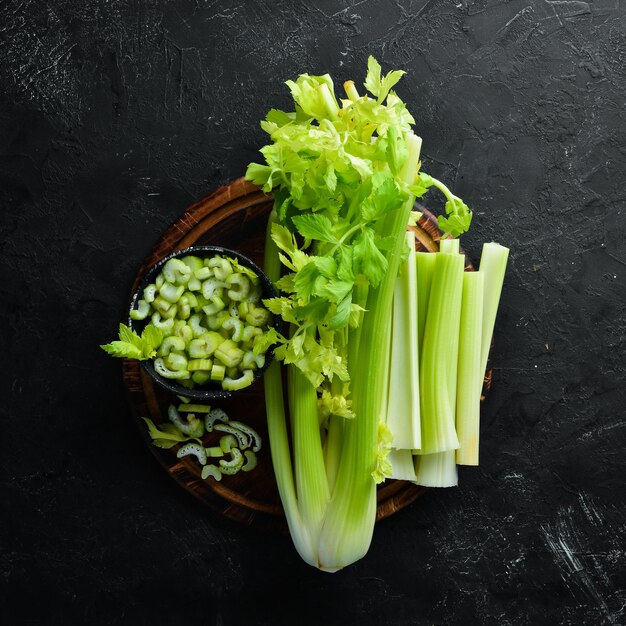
251, 461
233, 384
176, 362
171, 293
200, 377
228, 353
218, 372
193, 449
141, 312
215, 415
171, 343
161, 369
242, 438
195, 365
227, 443
438, 367
469, 379
436, 470
234, 465
255, 439
211, 470
403, 408
214, 452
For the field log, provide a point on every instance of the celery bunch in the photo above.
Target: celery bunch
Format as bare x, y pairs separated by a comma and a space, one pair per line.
345, 175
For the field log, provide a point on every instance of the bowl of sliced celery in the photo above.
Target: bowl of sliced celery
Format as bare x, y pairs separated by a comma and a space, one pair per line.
210, 330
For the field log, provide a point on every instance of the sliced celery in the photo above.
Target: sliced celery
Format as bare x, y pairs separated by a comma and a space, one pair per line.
469, 379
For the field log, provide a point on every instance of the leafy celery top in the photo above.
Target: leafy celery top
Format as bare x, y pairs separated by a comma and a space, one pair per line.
336, 170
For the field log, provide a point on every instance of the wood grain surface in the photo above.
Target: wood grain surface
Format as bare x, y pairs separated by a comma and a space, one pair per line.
235, 216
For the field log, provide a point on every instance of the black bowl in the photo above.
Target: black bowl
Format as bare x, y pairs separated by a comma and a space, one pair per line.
209, 390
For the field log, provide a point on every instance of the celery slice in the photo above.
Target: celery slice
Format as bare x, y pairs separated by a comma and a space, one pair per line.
469, 379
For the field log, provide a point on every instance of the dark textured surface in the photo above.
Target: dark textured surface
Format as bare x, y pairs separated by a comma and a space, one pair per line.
115, 116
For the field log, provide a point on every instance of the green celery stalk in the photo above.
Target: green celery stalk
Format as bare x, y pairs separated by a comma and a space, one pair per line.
493, 262
351, 514
277, 430
425, 266
311, 482
438, 367
469, 380
403, 409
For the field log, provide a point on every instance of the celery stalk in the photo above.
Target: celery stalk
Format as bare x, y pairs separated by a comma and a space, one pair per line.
425, 266
469, 380
311, 481
436, 470
277, 430
403, 409
438, 367
349, 524
493, 265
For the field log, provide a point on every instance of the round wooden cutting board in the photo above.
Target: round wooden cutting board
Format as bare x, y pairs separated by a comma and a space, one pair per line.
235, 216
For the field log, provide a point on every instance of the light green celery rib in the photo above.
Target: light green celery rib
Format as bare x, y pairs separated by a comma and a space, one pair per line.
425, 267
493, 262
277, 430
436, 470
403, 408
469, 379
349, 525
438, 365
311, 482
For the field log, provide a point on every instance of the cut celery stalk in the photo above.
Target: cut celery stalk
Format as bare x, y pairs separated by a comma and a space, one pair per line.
402, 465
436, 470
425, 266
469, 379
403, 408
493, 265
438, 367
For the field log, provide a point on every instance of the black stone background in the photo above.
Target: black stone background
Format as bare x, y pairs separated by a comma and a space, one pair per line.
116, 115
